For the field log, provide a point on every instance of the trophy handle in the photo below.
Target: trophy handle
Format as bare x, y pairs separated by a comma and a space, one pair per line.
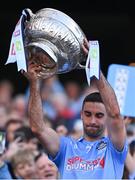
80, 66
29, 13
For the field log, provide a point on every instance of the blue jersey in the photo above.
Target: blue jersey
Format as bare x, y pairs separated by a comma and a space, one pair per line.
81, 159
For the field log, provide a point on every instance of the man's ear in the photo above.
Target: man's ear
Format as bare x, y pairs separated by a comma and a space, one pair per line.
81, 114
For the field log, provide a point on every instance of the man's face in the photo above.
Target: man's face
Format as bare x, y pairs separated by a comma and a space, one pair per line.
94, 116
46, 168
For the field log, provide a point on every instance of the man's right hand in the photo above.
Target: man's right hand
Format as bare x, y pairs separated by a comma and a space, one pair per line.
33, 70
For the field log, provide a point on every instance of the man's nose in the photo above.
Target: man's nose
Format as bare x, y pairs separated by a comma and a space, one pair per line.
93, 119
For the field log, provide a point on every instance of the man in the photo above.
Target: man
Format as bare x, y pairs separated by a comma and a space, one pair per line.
93, 156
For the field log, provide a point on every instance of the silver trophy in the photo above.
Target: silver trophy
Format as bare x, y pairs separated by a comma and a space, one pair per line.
54, 41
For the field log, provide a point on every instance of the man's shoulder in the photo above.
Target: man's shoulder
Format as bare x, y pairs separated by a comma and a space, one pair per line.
68, 138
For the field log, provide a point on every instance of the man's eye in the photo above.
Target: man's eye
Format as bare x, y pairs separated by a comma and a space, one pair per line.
99, 115
88, 114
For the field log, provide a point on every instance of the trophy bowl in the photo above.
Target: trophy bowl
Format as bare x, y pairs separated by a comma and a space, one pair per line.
53, 40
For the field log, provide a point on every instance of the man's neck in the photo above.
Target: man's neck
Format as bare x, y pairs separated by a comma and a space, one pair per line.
88, 138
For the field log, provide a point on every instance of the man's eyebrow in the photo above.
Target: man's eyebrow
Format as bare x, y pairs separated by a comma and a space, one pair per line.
87, 111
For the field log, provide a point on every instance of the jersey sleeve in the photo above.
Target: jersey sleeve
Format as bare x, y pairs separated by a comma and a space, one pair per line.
60, 156
120, 156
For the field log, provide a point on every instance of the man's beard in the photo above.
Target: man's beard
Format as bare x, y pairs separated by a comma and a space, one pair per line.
94, 134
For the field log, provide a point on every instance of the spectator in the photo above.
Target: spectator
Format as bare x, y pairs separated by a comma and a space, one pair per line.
23, 164
4, 170
27, 138
77, 130
18, 106
130, 128
3, 117
129, 169
11, 126
46, 169
61, 130
75, 97
6, 93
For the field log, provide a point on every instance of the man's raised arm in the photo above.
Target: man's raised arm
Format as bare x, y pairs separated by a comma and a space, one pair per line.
115, 123
47, 136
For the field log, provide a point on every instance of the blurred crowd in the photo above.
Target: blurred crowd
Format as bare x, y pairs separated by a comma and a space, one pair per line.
24, 157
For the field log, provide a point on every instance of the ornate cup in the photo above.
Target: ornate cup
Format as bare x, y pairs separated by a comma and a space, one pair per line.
54, 41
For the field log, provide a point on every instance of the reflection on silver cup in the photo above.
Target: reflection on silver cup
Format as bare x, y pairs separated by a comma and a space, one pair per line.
54, 41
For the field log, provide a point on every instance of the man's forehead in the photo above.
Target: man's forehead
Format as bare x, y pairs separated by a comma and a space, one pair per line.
93, 104
97, 106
